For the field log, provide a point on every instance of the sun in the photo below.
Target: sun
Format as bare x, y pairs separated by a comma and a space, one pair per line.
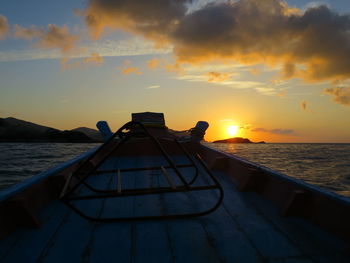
232, 130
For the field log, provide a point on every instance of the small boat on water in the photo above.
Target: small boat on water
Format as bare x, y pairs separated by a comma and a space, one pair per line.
150, 195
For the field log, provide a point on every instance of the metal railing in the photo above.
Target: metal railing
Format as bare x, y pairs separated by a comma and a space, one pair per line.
176, 183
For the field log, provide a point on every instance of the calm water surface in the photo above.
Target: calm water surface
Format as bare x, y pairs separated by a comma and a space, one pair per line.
325, 165
19, 161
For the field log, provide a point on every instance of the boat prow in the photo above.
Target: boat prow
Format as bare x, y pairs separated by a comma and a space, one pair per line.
147, 195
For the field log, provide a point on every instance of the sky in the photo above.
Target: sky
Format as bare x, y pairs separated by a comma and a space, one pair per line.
277, 71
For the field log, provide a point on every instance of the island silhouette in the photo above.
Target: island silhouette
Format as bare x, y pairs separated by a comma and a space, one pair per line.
236, 140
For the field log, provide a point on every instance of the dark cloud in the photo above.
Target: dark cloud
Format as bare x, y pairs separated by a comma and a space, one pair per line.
3, 26
313, 45
275, 131
288, 70
152, 18
250, 31
340, 95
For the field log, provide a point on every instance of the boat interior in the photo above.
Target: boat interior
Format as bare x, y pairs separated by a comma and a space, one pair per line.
144, 197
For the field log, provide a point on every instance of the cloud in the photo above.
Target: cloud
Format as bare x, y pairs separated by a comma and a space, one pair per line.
50, 38
289, 70
282, 93
153, 87
313, 44
152, 18
316, 39
3, 27
266, 91
153, 63
340, 95
303, 105
315, 4
275, 131
237, 84
58, 37
95, 59
217, 76
28, 33
131, 70
105, 48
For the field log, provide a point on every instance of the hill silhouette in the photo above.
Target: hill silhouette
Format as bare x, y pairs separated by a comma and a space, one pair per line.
15, 130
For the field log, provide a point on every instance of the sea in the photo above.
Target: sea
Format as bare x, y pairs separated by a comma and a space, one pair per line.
325, 165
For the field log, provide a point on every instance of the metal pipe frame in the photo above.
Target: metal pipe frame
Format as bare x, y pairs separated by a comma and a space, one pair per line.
68, 195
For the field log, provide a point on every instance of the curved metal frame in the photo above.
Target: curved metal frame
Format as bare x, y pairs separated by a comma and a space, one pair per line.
67, 196
192, 165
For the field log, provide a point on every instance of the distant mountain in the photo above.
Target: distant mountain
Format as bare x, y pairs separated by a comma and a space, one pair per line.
15, 130
92, 133
235, 140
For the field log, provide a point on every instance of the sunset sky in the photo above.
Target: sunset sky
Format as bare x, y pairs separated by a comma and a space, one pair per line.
279, 70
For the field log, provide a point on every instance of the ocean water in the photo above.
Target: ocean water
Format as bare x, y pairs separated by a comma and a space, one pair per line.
324, 165
19, 161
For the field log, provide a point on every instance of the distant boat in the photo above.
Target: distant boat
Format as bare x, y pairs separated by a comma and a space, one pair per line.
149, 195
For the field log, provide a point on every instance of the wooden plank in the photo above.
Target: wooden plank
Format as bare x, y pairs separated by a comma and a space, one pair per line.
25, 249
269, 241
72, 240
316, 243
291, 260
112, 241
223, 231
189, 239
9, 244
151, 242
119, 186
169, 179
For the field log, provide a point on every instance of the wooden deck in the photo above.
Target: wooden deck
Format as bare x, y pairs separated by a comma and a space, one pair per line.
245, 228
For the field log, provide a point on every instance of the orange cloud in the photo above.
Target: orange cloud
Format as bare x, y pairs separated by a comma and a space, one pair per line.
303, 105
153, 63
58, 37
217, 76
28, 33
131, 70
340, 95
53, 37
245, 31
95, 59
3, 26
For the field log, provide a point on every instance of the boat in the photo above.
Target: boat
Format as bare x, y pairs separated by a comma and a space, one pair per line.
148, 194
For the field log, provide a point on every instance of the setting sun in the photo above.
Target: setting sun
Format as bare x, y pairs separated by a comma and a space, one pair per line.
232, 130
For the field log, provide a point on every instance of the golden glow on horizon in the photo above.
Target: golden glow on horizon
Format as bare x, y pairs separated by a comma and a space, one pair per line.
232, 130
